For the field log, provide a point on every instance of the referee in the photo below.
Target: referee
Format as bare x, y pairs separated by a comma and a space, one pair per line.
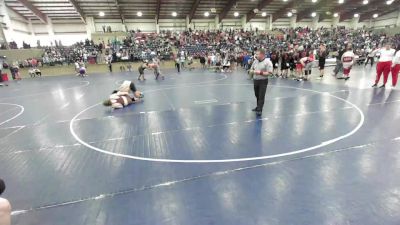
260, 70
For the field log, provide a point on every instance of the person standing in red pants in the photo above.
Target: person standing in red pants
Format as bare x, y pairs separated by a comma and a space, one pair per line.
384, 64
347, 61
396, 66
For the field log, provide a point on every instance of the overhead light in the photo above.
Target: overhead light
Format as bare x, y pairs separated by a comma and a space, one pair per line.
255, 11
314, 1
139, 14
213, 10
290, 14
356, 15
101, 13
236, 14
328, 13
341, 1
264, 14
365, 2
285, 0
389, 2
335, 14
314, 14
375, 15
174, 14
206, 14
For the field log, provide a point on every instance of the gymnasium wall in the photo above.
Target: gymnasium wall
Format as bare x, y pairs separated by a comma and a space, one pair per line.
71, 31
16, 28
281, 23
203, 24
172, 24
115, 24
261, 24
19, 54
146, 25
67, 33
386, 21
352, 24
231, 23
19, 30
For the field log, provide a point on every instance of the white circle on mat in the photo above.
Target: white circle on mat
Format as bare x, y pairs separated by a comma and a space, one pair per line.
22, 109
294, 152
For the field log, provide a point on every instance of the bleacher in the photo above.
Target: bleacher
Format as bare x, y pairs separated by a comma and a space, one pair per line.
196, 50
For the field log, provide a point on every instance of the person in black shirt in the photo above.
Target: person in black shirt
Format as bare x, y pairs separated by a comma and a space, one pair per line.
275, 63
285, 65
292, 65
109, 64
203, 61
322, 54
339, 64
141, 69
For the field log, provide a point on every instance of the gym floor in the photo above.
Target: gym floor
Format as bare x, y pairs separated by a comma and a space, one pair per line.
324, 152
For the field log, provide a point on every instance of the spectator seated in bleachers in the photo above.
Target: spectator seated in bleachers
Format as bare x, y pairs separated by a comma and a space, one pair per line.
35, 72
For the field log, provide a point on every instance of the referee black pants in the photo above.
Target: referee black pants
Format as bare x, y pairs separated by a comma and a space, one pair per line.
260, 88
370, 59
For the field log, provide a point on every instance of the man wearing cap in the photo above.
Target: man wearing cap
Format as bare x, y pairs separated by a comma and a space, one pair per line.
5, 207
260, 69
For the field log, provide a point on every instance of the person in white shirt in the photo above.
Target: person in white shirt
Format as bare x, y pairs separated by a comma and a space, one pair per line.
213, 59
5, 207
109, 62
396, 66
182, 60
348, 61
384, 65
2, 58
190, 62
85, 57
127, 86
77, 67
125, 95
119, 100
371, 56
226, 64
306, 63
260, 70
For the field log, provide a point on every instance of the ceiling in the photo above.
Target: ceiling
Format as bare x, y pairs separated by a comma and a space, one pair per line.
195, 9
